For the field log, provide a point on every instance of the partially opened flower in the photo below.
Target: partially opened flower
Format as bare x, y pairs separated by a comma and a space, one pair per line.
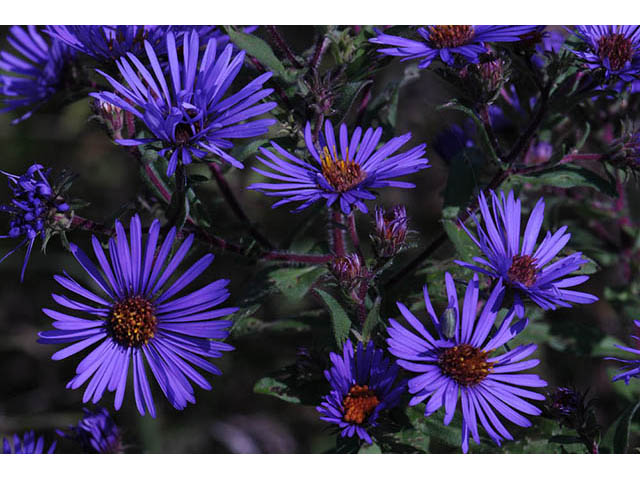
141, 318
345, 173
449, 42
630, 366
34, 73
34, 208
461, 362
189, 110
96, 432
28, 444
363, 385
529, 271
614, 48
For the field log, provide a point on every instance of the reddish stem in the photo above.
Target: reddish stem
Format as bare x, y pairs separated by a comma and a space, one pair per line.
337, 233
297, 257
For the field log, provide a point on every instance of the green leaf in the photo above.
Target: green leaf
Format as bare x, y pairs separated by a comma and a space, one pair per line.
568, 176
617, 437
294, 283
465, 248
373, 448
275, 388
339, 318
373, 318
258, 48
348, 95
253, 325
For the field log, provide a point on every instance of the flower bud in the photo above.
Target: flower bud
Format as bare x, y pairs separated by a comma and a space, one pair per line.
350, 273
391, 231
484, 80
112, 116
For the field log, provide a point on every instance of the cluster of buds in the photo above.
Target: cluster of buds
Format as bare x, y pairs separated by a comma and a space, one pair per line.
571, 409
483, 81
37, 208
350, 273
391, 231
625, 151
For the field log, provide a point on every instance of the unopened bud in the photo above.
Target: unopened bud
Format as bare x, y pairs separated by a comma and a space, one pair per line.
350, 273
391, 231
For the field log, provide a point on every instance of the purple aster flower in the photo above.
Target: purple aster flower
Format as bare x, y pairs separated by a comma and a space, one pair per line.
110, 42
346, 175
526, 270
96, 432
136, 318
29, 444
363, 385
35, 74
191, 114
616, 48
36, 206
630, 367
449, 41
462, 362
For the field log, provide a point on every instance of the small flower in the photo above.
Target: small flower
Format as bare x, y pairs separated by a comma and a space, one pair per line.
615, 48
192, 114
136, 318
29, 444
631, 367
36, 208
464, 363
363, 385
391, 231
346, 176
35, 75
96, 432
523, 269
450, 41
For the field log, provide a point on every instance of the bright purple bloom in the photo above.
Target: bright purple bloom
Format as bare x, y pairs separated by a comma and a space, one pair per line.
462, 362
631, 367
346, 174
29, 444
110, 42
191, 114
96, 432
136, 318
450, 41
35, 74
35, 206
526, 270
616, 48
363, 385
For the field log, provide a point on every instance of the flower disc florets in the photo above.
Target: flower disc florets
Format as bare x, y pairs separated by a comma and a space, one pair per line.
449, 36
132, 322
465, 364
359, 404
